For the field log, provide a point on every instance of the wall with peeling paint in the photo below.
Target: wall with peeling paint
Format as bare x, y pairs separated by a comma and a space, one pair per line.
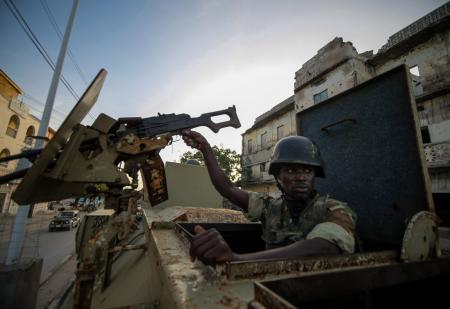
432, 59
345, 76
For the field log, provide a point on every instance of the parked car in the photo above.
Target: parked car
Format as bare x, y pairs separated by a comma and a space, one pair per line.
65, 220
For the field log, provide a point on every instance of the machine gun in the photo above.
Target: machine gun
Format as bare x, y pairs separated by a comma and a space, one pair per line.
102, 158
173, 123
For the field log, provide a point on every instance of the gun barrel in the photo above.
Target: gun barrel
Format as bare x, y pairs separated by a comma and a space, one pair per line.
28, 154
13, 176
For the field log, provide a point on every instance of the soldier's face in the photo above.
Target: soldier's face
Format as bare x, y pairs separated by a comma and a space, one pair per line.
297, 180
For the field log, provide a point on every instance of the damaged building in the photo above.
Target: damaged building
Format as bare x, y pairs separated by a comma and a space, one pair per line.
423, 46
258, 142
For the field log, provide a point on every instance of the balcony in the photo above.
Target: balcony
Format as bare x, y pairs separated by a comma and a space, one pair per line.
437, 154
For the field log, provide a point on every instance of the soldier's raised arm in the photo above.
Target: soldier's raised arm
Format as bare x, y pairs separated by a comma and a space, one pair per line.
219, 179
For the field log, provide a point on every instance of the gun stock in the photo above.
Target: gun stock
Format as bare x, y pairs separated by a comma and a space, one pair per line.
206, 119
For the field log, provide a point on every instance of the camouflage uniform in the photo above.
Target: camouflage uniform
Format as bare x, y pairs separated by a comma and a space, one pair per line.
323, 217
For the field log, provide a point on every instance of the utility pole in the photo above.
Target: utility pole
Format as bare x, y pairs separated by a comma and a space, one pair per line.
55, 80
18, 231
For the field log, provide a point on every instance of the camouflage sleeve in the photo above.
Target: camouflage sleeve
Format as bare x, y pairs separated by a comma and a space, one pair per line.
255, 206
339, 228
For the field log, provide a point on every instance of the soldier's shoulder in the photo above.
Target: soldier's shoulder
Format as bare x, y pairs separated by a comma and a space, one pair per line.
271, 201
263, 198
337, 205
331, 203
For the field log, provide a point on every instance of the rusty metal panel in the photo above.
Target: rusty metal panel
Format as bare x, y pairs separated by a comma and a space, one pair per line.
191, 284
276, 267
154, 178
404, 284
371, 145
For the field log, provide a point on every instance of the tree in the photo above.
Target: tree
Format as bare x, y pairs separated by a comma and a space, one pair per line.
229, 160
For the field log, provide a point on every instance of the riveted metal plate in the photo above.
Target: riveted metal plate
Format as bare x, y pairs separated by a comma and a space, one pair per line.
372, 149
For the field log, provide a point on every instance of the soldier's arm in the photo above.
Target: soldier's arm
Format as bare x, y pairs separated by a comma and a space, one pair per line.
218, 178
338, 228
302, 248
210, 247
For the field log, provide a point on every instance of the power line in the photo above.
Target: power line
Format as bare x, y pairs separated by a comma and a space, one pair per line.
60, 115
53, 22
58, 31
41, 104
26, 28
40, 111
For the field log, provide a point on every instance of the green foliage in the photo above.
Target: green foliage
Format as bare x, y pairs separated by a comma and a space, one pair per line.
229, 160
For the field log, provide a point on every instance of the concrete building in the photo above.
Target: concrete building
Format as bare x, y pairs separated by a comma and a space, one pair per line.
258, 142
336, 67
16, 123
423, 46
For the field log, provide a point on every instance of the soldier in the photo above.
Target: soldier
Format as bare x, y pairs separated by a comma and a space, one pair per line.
299, 223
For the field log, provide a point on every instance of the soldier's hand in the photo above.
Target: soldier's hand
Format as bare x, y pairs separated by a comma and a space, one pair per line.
194, 139
210, 247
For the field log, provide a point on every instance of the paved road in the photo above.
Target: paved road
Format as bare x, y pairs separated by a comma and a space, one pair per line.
57, 285
54, 247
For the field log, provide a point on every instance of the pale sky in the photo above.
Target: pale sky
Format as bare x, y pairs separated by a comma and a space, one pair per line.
189, 56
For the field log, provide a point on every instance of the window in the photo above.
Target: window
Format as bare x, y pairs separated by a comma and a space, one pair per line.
321, 96
263, 139
249, 146
5, 153
30, 132
262, 167
280, 132
13, 126
414, 70
425, 135
248, 172
416, 80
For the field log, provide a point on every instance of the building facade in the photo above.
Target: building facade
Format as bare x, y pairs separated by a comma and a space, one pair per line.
258, 142
336, 67
423, 46
16, 124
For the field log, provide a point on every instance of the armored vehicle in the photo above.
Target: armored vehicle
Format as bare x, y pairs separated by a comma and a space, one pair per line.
371, 144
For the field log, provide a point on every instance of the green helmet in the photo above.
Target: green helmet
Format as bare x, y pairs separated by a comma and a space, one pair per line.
296, 149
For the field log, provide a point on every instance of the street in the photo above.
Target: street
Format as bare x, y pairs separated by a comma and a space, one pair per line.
55, 247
